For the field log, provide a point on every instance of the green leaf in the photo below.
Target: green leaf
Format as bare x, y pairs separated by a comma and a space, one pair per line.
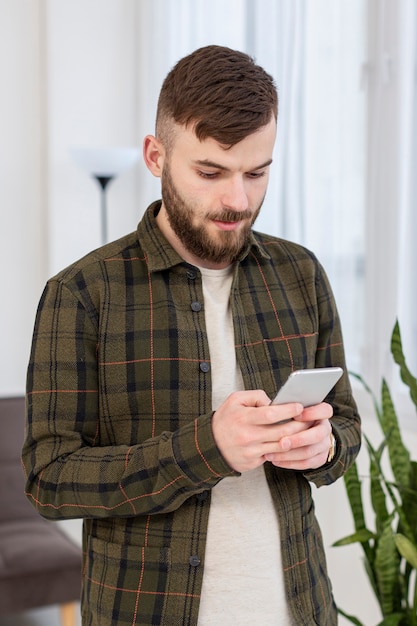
352, 619
387, 563
409, 501
360, 536
392, 620
378, 497
353, 488
407, 549
390, 552
398, 354
398, 453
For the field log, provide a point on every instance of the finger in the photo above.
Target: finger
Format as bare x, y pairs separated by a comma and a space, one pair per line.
302, 464
250, 398
275, 439
322, 411
289, 454
285, 429
317, 433
300, 454
282, 412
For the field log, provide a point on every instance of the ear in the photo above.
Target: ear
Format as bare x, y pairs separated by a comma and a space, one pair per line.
153, 155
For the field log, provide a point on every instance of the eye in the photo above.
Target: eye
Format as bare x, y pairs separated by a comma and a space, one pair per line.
209, 175
256, 174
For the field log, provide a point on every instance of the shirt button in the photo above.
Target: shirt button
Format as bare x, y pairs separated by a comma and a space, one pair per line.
205, 367
202, 496
196, 306
194, 560
191, 275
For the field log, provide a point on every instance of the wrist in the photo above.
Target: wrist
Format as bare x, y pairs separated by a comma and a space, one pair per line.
332, 448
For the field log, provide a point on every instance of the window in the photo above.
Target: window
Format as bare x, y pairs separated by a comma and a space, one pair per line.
341, 181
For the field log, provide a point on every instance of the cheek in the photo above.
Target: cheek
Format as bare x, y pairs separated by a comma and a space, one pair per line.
257, 193
202, 196
187, 182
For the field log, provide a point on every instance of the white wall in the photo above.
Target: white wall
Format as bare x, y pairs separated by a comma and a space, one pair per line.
91, 101
22, 200
69, 76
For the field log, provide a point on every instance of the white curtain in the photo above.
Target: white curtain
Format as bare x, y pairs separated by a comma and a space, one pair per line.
341, 181
318, 195
392, 199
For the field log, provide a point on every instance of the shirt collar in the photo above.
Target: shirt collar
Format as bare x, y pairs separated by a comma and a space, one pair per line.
161, 255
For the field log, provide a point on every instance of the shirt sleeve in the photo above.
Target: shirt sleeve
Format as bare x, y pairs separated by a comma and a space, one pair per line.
346, 423
68, 473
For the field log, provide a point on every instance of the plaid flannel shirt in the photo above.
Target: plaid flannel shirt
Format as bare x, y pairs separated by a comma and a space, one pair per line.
119, 418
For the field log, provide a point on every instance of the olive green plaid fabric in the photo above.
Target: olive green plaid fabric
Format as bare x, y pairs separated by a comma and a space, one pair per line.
119, 418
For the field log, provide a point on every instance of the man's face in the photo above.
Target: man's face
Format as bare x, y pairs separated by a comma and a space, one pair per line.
211, 196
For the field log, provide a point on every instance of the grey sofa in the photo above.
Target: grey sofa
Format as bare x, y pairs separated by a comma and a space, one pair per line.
39, 564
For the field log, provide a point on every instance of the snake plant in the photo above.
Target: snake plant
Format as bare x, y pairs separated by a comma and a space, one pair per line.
390, 546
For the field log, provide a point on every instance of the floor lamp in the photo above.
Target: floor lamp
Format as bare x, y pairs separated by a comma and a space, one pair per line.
104, 165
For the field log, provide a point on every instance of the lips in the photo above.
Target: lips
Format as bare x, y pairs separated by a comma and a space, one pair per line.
227, 225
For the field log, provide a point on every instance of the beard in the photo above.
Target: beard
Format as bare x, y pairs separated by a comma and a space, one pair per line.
226, 247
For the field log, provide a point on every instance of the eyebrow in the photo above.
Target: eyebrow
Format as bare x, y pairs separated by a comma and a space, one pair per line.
218, 166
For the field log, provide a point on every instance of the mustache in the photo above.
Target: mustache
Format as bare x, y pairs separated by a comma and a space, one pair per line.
228, 215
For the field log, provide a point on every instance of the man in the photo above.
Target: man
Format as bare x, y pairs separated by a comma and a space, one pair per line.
153, 365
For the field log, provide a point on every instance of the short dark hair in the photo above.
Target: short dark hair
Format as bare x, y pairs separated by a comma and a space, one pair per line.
221, 92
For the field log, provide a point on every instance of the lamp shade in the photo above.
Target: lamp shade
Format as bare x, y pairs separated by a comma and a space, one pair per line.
108, 162
104, 164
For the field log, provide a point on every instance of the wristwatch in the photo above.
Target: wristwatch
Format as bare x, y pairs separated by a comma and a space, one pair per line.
332, 449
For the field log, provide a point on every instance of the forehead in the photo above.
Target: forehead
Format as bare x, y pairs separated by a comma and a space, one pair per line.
250, 153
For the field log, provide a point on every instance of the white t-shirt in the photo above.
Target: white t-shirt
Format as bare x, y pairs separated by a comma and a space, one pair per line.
243, 580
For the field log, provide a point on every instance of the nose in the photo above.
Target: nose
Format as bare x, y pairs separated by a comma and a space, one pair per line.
234, 195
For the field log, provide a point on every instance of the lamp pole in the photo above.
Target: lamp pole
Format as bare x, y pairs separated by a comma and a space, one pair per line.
103, 181
104, 165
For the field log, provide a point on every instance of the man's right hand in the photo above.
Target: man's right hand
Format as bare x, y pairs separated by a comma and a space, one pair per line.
247, 427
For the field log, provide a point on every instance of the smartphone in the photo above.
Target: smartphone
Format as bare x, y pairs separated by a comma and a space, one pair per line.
309, 387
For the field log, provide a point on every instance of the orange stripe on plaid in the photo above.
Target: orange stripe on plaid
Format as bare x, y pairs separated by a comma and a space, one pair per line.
197, 445
175, 594
127, 457
127, 500
151, 349
99, 507
148, 523
294, 565
276, 339
142, 571
330, 345
271, 300
152, 359
40, 391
